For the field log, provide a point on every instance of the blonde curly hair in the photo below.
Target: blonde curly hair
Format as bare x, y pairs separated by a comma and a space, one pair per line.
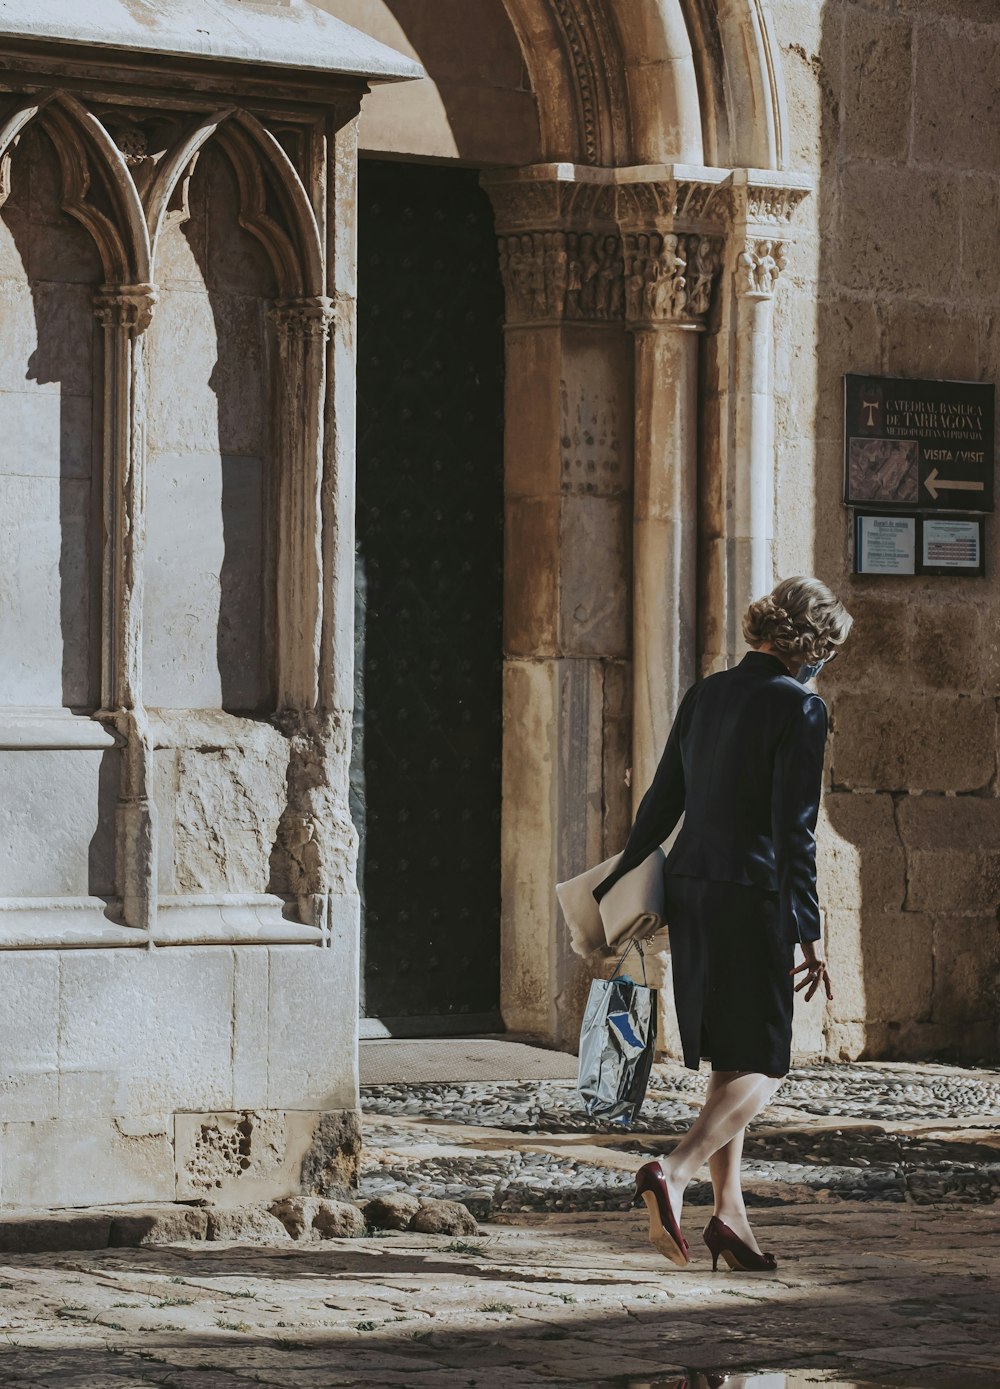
800, 617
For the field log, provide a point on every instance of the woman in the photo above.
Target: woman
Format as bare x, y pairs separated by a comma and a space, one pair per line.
744, 763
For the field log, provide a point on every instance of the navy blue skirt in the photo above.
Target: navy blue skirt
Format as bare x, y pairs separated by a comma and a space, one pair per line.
732, 988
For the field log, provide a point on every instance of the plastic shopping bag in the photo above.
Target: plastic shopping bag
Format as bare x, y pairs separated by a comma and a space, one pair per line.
617, 1043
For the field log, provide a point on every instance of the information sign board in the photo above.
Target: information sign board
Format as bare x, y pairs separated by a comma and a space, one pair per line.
885, 545
926, 445
889, 542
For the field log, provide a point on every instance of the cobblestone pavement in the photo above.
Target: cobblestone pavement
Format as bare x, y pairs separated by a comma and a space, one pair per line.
890, 1282
897, 1133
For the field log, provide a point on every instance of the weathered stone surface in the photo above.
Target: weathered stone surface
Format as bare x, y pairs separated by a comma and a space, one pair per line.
594, 603
219, 1152
157, 1225
331, 1164
941, 127
56, 821
953, 852
887, 244
226, 817
966, 971
933, 742
879, 647
391, 1212
444, 1218
191, 1063
979, 284
82, 1159
531, 545
55, 1230
46, 619
296, 1214
338, 1220
29, 1036
815, 343
881, 964
314, 1217
946, 652
251, 1223
313, 1054
878, 76
860, 863
926, 342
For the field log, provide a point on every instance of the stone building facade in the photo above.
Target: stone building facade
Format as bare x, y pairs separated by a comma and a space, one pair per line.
179, 918
705, 214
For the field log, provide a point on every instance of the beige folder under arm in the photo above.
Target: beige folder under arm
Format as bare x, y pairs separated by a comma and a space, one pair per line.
632, 909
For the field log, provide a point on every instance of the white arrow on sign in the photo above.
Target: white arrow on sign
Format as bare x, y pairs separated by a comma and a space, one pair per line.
935, 485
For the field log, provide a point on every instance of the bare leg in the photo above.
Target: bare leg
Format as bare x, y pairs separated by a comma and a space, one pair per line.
727, 1188
733, 1098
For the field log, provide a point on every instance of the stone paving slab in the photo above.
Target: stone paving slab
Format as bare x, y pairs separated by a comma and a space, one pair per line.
887, 1294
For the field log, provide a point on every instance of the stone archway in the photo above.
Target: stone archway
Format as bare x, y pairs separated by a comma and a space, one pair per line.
637, 423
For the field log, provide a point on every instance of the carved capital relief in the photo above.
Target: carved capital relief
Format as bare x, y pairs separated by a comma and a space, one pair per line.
128, 306
669, 276
636, 252
304, 318
562, 274
762, 218
758, 266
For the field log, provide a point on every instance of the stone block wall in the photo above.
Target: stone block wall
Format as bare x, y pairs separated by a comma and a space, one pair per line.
894, 107
126, 1070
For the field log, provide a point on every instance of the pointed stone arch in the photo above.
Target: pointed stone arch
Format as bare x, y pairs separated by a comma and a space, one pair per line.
269, 184
84, 148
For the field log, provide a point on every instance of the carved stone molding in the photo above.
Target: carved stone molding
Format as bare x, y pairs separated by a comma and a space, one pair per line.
700, 203
558, 274
552, 204
595, 70
758, 267
771, 204
669, 276
607, 248
129, 306
762, 214
310, 317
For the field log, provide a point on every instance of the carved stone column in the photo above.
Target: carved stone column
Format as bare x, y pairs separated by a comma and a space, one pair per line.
568, 450
673, 245
124, 313
315, 833
762, 210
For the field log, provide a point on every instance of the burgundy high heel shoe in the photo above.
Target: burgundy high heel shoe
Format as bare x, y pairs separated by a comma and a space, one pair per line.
737, 1254
664, 1232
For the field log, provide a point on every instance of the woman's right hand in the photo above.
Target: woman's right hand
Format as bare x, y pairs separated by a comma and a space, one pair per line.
816, 970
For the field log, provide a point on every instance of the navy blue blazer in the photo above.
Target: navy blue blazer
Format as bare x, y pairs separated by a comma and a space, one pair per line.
744, 763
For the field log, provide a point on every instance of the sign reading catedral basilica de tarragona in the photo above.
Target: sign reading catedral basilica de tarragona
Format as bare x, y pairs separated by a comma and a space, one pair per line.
918, 467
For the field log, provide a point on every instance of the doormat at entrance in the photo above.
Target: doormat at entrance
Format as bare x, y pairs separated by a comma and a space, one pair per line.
453, 1059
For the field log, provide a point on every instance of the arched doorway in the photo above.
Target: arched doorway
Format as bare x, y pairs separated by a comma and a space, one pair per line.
607, 136
426, 756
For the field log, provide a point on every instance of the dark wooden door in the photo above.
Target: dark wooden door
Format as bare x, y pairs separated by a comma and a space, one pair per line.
426, 764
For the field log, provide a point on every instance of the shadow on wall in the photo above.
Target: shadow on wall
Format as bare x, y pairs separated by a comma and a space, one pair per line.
50, 270
477, 105
910, 876
210, 575
51, 429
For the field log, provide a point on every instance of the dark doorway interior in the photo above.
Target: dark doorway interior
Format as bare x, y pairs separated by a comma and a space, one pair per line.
427, 736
